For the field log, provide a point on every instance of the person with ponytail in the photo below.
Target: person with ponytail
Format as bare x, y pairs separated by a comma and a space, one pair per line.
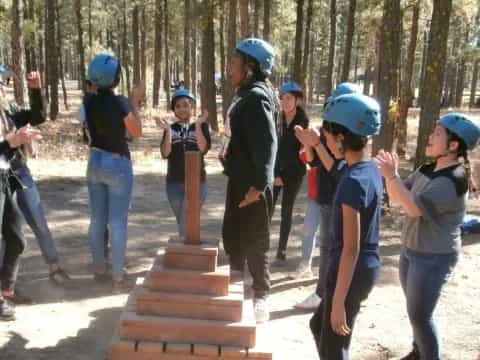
289, 168
109, 174
249, 162
434, 198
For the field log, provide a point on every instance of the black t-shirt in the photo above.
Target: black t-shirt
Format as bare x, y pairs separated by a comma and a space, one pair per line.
105, 117
184, 138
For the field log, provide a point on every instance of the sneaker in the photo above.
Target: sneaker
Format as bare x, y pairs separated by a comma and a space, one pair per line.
18, 298
261, 311
59, 276
303, 270
102, 277
413, 355
7, 312
310, 303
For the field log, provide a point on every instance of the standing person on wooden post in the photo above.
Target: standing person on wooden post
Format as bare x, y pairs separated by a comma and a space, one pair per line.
180, 137
110, 174
249, 164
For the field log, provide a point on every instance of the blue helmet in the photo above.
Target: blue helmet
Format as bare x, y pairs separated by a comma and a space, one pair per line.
344, 88
261, 51
104, 71
179, 93
358, 113
463, 126
290, 87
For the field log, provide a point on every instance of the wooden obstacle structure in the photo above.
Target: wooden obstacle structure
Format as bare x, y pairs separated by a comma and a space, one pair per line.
187, 307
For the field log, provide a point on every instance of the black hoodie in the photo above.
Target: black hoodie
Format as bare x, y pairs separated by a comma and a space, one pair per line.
251, 152
288, 163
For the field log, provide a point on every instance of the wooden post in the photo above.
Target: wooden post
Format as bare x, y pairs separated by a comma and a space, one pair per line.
192, 197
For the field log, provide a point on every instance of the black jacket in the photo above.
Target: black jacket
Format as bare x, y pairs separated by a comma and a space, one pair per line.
251, 152
19, 117
288, 163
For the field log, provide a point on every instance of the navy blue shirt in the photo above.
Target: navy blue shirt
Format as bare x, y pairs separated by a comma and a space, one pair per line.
326, 184
361, 188
105, 118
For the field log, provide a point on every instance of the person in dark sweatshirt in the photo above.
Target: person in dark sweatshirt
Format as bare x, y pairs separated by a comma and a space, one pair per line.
12, 239
289, 169
249, 163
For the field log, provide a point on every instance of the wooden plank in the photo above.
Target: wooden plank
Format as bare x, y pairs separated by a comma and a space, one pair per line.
192, 197
183, 349
206, 350
190, 262
185, 281
204, 240
189, 331
230, 352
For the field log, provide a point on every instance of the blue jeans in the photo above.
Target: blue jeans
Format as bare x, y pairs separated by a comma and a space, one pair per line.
110, 181
176, 197
422, 277
31, 206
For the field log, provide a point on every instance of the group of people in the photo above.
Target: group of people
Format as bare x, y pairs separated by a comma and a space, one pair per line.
268, 148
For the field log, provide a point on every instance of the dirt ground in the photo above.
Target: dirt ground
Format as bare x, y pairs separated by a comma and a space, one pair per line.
76, 321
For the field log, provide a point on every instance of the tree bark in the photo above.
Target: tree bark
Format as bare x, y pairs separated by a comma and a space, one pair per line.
461, 71
194, 50
136, 45
52, 59
17, 51
143, 45
223, 76
157, 55
306, 47
297, 65
90, 31
60, 57
80, 47
186, 45
388, 71
231, 43
331, 48
349, 40
473, 86
407, 91
435, 63
167, 82
267, 6
125, 52
208, 93
244, 15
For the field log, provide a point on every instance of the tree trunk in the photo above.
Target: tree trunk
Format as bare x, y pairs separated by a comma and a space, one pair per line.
349, 40
221, 42
143, 46
208, 94
60, 57
257, 7
167, 82
331, 48
194, 51
244, 15
186, 45
52, 59
80, 47
17, 51
435, 62
306, 47
388, 71
473, 86
136, 45
311, 66
231, 43
267, 6
407, 91
157, 54
90, 31
461, 71
297, 65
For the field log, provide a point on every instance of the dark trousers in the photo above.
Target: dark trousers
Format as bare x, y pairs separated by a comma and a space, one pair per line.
290, 188
246, 235
12, 239
331, 346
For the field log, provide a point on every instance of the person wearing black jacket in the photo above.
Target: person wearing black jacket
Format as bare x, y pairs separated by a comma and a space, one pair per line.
12, 239
249, 163
289, 169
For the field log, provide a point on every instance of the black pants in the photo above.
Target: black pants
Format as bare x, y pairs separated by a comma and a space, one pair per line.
246, 235
290, 188
12, 239
331, 346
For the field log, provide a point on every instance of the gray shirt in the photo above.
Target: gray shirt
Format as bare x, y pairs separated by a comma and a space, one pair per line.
441, 197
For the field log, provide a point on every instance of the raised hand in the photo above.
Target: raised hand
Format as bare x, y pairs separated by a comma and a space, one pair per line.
388, 164
24, 135
33, 80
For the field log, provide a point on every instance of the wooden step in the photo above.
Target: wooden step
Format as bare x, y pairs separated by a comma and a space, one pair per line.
228, 308
187, 331
190, 257
189, 282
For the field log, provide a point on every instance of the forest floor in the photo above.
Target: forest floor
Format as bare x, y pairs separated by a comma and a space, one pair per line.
75, 322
